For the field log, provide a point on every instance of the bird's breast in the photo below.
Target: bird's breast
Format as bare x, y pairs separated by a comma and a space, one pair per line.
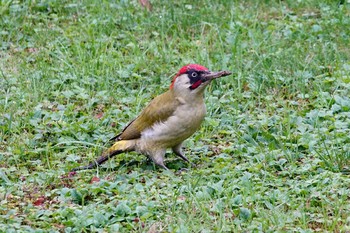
182, 124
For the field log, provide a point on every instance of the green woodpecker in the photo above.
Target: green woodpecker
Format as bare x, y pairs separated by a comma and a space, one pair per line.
167, 121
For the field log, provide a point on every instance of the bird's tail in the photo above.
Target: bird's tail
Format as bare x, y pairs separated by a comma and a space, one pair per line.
117, 148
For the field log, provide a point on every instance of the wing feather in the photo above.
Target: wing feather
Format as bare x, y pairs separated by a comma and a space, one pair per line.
158, 110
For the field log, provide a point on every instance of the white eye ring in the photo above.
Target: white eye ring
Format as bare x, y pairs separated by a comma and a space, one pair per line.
194, 74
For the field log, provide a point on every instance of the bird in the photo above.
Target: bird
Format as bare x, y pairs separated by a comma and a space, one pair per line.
167, 121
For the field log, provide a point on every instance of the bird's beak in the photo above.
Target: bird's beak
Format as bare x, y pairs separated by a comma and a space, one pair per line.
213, 75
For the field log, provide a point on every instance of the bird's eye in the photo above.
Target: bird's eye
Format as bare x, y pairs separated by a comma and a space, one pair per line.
194, 74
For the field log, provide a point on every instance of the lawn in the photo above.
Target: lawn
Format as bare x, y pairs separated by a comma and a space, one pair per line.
273, 154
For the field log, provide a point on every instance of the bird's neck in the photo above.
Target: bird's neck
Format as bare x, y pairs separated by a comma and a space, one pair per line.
189, 96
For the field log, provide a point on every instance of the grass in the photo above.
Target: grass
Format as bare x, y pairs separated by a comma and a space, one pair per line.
272, 155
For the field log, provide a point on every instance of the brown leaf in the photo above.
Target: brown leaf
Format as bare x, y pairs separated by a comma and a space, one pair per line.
146, 4
32, 50
71, 174
94, 179
60, 226
137, 220
39, 201
99, 115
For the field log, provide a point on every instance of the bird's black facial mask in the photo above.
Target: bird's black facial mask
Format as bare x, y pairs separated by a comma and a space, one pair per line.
195, 79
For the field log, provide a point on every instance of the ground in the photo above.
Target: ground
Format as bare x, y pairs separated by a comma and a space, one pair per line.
273, 154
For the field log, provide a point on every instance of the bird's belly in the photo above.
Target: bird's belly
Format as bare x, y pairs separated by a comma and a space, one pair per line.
175, 129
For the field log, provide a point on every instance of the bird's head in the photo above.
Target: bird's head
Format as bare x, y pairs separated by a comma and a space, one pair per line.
194, 78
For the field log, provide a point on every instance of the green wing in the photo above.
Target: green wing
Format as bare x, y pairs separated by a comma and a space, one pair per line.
158, 110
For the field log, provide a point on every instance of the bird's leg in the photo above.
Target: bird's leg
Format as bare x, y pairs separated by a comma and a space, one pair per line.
178, 151
158, 158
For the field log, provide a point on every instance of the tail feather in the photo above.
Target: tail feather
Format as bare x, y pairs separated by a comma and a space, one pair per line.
117, 148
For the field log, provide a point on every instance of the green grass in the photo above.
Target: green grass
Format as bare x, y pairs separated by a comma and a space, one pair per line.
272, 156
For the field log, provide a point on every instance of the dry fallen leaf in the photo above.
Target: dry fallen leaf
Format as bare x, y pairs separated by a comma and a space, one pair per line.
99, 115
95, 180
146, 4
39, 201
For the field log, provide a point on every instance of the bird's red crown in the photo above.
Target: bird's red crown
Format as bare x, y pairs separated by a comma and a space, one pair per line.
186, 68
